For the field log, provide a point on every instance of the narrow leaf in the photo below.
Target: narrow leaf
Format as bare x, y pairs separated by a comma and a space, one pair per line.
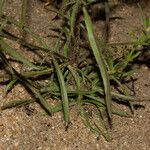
99, 59
18, 56
63, 91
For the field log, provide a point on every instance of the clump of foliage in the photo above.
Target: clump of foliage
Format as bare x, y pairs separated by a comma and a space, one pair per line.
79, 71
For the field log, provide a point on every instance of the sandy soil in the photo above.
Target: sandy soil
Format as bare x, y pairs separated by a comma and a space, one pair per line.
30, 129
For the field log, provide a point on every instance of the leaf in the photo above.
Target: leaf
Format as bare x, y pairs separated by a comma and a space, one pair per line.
17, 103
18, 56
99, 59
73, 16
63, 91
10, 85
38, 95
23, 12
1, 7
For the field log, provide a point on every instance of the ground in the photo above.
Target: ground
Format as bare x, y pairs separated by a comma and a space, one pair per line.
31, 129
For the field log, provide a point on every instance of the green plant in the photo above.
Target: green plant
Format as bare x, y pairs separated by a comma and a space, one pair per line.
84, 82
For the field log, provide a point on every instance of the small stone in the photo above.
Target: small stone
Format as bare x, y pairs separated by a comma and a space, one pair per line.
39, 147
